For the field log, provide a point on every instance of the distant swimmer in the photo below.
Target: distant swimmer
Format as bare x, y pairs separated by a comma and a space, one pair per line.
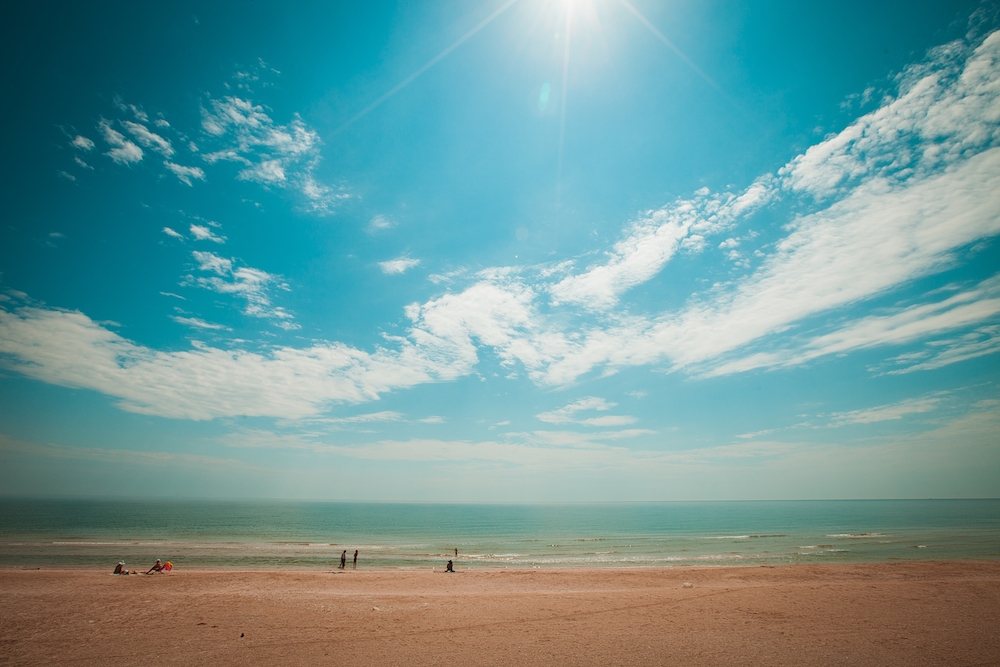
343, 559
450, 568
456, 552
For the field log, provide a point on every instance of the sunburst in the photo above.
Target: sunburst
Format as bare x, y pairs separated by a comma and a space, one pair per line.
567, 9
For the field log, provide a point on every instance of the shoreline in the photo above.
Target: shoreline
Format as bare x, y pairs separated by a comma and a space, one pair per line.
909, 613
461, 566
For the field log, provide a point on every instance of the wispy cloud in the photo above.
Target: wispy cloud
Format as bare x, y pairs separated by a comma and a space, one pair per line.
568, 414
367, 418
893, 198
893, 412
197, 323
203, 233
183, 173
83, 143
122, 150
398, 265
433, 419
380, 223
69, 349
651, 241
271, 154
253, 285
897, 326
172, 233
148, 138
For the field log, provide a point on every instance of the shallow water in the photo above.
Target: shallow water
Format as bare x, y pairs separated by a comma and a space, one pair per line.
62, 533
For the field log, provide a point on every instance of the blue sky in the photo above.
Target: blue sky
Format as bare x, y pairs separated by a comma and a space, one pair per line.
501, 251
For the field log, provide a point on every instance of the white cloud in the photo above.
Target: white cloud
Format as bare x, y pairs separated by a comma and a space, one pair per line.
198, 323
650, 242
203, 233
69, 349
208, 261
252, 285
898, 326
185, 174
276, 155
380, 223
320, 199
943, 352
398, 265
886, 226
371, 417
568, 414
609, 420
433, 419
895, 197
122, 150
882, 413
82, 142
148, 139
565, 414
170, 232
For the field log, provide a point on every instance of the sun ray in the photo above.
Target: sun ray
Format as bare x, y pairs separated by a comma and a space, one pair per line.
562, 102
663, 38
430, 63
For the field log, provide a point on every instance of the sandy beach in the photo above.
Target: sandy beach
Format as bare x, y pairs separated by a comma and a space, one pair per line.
928, 613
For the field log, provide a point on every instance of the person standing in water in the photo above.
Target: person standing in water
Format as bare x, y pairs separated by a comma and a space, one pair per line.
343, 559
355, 559
456, 552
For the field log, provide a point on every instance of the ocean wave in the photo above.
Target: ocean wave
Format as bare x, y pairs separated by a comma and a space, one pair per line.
743, 537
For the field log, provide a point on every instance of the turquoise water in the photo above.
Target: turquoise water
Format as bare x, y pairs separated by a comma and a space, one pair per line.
312, 535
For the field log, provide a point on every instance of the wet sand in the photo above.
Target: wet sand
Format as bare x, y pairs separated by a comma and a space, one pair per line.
909, 614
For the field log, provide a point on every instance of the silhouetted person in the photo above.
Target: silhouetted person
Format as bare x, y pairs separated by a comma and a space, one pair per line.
456, 552
343, 559
355, 558
450, 568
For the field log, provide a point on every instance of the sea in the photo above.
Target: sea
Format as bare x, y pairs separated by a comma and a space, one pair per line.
312, 535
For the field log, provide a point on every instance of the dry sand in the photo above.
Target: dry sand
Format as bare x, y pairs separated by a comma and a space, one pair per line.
872, 614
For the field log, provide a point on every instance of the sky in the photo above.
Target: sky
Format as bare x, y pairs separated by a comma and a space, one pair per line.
500, 251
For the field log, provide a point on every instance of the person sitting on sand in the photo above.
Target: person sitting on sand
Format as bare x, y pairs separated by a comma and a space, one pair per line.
450, 568
157, 567
120, 568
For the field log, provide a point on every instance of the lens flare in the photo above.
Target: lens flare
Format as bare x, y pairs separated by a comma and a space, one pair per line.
543, 96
